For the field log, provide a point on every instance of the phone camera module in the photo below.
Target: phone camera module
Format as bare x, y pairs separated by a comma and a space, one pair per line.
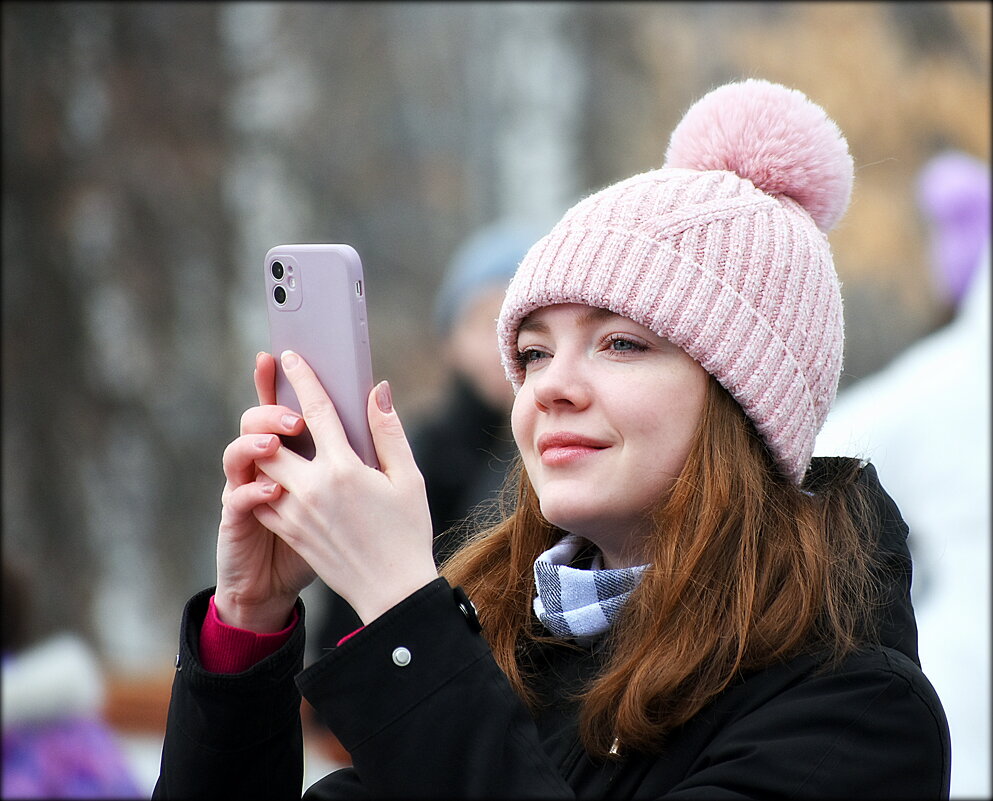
277, 270
279, 295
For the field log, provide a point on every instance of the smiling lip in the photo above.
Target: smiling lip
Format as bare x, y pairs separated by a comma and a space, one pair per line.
556, 449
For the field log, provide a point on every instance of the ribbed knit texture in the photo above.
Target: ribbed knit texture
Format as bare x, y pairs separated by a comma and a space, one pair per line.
227, 649
741, 279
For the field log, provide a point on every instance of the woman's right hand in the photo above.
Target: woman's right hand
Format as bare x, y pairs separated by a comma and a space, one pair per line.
259, 577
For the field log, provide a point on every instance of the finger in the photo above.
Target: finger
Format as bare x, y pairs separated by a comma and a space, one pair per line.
240, 455
268, 515
271, 420
318, 410
265, 378
283, 467
268, 512
246, 498
396, 459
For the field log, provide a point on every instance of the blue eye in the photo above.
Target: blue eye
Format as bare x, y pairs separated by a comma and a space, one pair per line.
529, 356
619, 344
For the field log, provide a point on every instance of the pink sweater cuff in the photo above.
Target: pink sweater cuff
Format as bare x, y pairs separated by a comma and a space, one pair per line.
226, 649
349, 636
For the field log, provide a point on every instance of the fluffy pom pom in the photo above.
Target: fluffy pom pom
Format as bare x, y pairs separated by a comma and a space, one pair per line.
773, 136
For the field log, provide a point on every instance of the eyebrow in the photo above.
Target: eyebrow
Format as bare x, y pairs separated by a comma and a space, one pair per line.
591, 316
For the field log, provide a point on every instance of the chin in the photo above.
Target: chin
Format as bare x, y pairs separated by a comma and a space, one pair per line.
572, 520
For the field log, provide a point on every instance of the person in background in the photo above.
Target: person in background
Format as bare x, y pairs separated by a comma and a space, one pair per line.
953, 194
679, 603
464, 448
56, 743
924, 421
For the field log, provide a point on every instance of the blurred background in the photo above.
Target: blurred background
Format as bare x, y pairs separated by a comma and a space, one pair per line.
153, 153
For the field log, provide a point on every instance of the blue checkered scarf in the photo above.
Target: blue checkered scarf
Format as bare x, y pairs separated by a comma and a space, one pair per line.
576, 603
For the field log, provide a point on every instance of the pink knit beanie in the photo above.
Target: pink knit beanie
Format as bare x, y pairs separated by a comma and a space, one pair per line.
724, 252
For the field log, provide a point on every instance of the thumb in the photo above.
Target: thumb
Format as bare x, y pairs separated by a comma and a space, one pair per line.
396, 459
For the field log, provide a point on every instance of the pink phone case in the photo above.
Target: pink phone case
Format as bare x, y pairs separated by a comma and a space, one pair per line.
315, 298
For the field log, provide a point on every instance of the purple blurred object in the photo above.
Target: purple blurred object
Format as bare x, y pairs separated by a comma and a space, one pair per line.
56, 743
953, 192
70, 758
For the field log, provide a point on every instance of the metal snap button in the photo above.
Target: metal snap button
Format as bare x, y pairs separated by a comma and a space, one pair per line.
401, 657
467, 608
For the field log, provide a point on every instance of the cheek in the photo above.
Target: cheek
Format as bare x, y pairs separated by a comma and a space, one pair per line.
668, 430
658, 458
522, 421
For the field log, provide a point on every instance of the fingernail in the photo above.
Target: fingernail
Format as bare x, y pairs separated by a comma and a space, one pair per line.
263, 442
289, 421
289, 359
266, 484
384, 398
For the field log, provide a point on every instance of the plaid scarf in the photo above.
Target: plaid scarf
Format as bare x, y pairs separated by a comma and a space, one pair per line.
576, 603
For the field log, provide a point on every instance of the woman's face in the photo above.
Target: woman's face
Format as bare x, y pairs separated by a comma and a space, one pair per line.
604, 422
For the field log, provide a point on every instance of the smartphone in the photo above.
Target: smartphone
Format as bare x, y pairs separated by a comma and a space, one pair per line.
315, 299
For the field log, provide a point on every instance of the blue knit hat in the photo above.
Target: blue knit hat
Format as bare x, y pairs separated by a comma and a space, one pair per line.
488, 258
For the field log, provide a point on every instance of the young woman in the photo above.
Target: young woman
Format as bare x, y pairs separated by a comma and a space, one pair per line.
678, 602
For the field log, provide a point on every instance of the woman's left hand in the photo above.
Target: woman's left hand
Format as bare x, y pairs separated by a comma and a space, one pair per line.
367, 533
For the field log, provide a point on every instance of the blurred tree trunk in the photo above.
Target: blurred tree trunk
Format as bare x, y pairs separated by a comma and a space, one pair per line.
47, 402
114, 340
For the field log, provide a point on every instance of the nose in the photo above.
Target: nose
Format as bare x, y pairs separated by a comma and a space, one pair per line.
562, 384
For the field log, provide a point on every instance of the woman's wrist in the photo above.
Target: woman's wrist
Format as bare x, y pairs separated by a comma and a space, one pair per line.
226, 649
384, 596
266, 617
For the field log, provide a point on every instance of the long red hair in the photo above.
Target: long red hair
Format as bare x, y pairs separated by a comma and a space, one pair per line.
746, 569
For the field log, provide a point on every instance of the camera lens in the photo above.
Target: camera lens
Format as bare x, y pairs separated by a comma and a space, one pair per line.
277, 270
279, 295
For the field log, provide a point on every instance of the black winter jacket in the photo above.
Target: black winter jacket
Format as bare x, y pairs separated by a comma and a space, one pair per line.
446, 724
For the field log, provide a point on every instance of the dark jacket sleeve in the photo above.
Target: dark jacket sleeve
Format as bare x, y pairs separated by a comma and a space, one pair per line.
233, 736
438, 719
